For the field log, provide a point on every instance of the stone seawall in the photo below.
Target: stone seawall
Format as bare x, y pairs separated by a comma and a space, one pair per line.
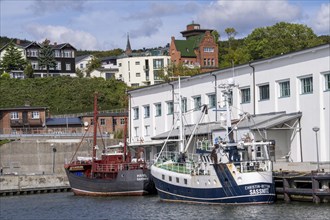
21, 183
44, 156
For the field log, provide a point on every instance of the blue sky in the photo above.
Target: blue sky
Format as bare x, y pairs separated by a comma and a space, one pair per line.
104, 24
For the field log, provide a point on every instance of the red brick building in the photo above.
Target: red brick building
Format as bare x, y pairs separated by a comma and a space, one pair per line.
199, 49
25, 119
108, 122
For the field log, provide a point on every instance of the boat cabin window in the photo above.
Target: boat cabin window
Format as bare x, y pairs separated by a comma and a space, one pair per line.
170, 178
177, 180
185, 181
163, 177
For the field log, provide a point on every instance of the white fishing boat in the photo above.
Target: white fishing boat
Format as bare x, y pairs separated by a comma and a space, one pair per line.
226, 172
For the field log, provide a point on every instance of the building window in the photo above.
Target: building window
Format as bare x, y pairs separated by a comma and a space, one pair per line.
208, 49
136, 113
137, 63
163, 177
306, 85
34, 65
170, 108
122, 121
158, 63
119, 64
146, 130
158, 108
57, 53
81, 66
264, 92
58, 66
177, 180
170, 178
136, 129
138, 74
67, 66
197, 103
14, 115
35, 115
327, 81
102, 121
284, 89
146, 111
185, 181
67, 53
157, 74
212, 101
184, 105
245, 95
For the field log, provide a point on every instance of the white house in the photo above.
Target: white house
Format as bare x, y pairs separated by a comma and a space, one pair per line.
286, 96
142, 69
82, 61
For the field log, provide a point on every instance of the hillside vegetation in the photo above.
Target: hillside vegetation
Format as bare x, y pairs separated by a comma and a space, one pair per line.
63, 95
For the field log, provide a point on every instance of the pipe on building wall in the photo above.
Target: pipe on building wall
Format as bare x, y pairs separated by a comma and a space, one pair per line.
216, 95
300, 141
172, 101
254, 88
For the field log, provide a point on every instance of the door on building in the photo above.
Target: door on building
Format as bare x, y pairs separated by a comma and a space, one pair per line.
25, 117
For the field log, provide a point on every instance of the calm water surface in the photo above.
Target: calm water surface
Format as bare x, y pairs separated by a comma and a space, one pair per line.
68, 206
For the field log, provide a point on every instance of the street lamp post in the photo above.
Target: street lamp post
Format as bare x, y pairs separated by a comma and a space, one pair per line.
316, 129
54, 151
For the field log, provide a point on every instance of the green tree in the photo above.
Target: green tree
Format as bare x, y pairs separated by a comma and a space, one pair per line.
93, 64
28, 71
173, 70
279, 39
231, 33
5, 75
46, 56
216, 36
79, 73
12, 59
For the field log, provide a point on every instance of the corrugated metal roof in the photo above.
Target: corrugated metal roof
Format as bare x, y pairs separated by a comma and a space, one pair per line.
205, 128
262, 121
277, 121
63, 121
23, 108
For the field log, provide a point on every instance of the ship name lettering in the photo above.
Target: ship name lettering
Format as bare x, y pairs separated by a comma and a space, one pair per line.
259, 191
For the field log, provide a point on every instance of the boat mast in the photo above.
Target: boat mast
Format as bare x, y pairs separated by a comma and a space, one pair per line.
227, 93
95, 128
180, 119
125, 139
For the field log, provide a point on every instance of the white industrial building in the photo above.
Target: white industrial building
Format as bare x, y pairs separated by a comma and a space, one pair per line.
286, 97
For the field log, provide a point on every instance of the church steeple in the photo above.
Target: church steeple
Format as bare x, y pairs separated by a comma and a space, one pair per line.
128, 50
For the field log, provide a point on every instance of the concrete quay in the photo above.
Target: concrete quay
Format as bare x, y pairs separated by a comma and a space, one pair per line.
33, 184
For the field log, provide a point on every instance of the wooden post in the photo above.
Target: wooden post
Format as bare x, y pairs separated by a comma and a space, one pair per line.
286, 186
315, 188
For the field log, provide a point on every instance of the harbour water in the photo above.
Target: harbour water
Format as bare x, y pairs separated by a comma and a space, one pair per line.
67, 206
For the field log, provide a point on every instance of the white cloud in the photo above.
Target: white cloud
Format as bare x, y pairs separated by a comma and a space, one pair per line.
244, 16
60, 34
40, 7
321, 22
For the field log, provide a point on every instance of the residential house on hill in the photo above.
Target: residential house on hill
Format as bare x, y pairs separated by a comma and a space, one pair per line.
199, 49
64, 55
82, 61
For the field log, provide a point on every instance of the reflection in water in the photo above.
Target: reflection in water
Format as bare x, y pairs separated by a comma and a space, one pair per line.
68, 206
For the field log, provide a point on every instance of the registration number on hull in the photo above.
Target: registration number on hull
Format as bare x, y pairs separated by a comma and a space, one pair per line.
258, 189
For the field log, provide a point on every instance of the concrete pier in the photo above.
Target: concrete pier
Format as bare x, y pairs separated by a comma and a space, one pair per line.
33, 184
